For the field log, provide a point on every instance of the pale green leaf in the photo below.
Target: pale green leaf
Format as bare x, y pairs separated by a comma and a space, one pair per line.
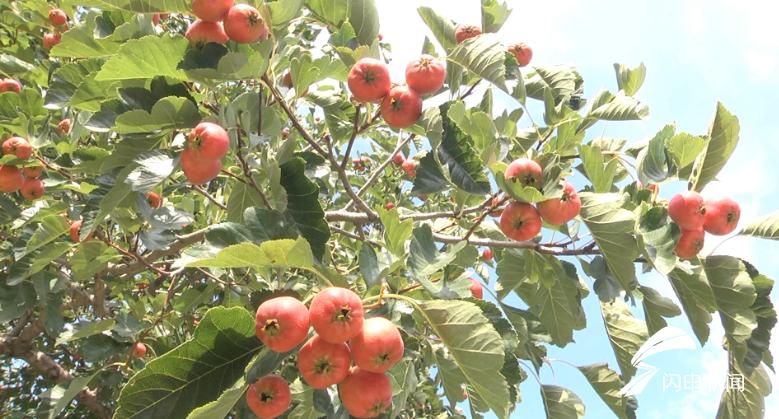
561, 403
766, 227
146, 58
484, 56
629, 80
626, 334
283, 253
722, 141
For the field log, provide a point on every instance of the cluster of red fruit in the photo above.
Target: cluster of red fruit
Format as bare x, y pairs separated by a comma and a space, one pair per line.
401, 104
201, 160
27, 180
521, 51
342, 336
522, 221
221, 20
409, 166
59, 20
696, 216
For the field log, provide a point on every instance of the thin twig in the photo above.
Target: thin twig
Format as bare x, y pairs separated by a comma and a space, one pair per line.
246, 170
209, 196
355, 130
379, 170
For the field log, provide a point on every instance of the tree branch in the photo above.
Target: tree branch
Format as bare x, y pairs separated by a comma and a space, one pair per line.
379, 170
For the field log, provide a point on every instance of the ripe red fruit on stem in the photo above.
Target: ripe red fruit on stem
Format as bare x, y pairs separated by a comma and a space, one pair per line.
51, 39
365, 394
561, 210
32, 172
390, 205
690, 243
199, 170
463, 32
520, 221
10, 85
154, 199
477, 291
322, 364
269, 397
410, 167
688, 210
64, 126
17, 146
75, 230
201, 32
525, 171
721, 216
139, 350
378, 347
522, 53
336, 314
398, 159
425, 75
31, 189
245, 25
208, 140
282, 323
369, 80
57, 17
211, 10
11, 179
401, 107
487, 255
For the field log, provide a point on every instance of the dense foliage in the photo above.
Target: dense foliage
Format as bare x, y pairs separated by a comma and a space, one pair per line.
128, 291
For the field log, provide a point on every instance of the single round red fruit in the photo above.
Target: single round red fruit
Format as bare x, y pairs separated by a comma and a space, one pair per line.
139, 350
463, 32
688, 210
425, 75
378, 347
520, 221
522, 53
322, 364
17, 146
208, 140
33, 172
721, 216
269, 397
369, 80
559, 211
211, 10
690, 243
11, 179
398, 159
245, 25
281, 323
64, 126
57, 17
487, 255
199, 170
154, 199
389, 205
525, 171
336, 314
365, 394
75, 230
201, 32
51, 39
10, 85
410, 167
401, 107
476, 289
31, 189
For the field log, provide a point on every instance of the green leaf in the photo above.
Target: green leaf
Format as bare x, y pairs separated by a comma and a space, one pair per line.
281, 254
766, 227
364, 18
85, 329
369, 265
64, 393
66, 80
92, 257
494, 14
15, 300
626, 334
442, 28
305, 407
222, 406
404, 384
13, 65
424, 260
194, 373
560, 80
146, 58
747, 402
153, 168
722, 141
484, 56
150, 6
683, 149
656, 307
396, 232
659, 237
50, 229
758, 345
214, 63
629, 80
735, 293
619, 108
697, 299
601, 174
607, 384
169, 113
561, 403
652, 162
333, 12
474, 345
613, 229
303, 205
282, 11
456, 151
430, 176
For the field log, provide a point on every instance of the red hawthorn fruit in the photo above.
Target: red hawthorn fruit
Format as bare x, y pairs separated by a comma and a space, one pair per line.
369, 80
690, 243
211, 10
365, 394
32, 172
398, 159
10, 85
463, 32
155, 19
208, 140
522, 53
154, 199
11, 179
721, 216
322, 364
378, 347
486, 255
559, 211
525, 171
520, 221
51, 39
17, 146
64, 126
476, 289
336, 314
57, 17
75, 230
281, 323
245, 25
425, 75
199, 170
401, 107
688, 210
201, 32
139, 350
410, 167
269, 397
390, 205
31, 189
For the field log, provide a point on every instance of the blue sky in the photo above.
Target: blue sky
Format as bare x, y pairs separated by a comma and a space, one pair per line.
696, 53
